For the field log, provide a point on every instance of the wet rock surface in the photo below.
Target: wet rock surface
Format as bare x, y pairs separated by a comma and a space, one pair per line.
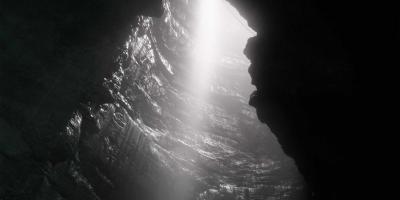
54, 56
142, 133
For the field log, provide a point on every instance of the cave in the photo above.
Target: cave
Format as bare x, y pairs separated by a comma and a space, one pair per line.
181, 100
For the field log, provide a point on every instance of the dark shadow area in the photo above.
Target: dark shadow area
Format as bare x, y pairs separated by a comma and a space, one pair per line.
307, 61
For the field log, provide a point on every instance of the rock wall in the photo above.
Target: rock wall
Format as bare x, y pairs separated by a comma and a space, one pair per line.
54, 56
104, 110
306, 60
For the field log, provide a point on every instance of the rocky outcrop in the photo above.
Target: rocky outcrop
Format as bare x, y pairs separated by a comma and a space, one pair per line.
54, 56
305, 60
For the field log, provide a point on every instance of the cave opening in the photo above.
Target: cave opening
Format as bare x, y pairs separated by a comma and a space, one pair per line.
173, 122
184, 76
149, 100
180, 126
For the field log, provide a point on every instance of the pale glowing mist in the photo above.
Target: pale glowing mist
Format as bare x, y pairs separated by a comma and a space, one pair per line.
219, 31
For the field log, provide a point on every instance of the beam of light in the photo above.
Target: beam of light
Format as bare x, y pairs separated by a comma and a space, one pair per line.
204, 49
219, 31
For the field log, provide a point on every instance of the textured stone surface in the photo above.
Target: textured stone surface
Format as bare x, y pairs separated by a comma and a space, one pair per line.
129, 115
54, 56
305, 61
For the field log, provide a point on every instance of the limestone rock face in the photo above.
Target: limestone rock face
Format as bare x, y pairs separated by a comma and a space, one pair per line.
89, 93
54, 56
104, 109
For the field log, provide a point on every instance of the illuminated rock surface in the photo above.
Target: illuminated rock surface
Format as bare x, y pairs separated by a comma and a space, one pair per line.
54, 56
160, 137
155, 138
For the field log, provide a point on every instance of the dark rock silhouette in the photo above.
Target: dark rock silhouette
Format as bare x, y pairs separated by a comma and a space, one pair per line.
306, 61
